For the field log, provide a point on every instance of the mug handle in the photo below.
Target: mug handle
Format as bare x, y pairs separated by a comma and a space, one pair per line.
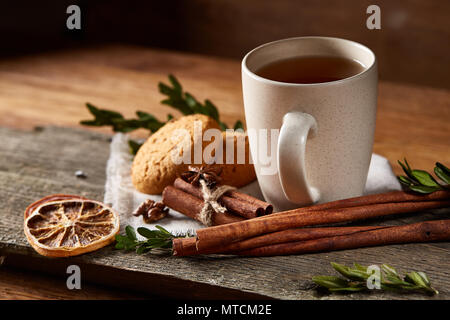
295, 130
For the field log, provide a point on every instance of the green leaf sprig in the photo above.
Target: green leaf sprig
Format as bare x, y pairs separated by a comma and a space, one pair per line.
390, 280
187, 104
155, 239
176, 98
422, 181
103, 117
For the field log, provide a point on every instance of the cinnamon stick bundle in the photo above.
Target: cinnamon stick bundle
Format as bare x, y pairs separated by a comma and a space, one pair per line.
211, 237
191, 206
427, 231
187, 246
236, 202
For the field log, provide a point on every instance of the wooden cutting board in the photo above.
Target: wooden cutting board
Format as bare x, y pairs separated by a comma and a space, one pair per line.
43, 161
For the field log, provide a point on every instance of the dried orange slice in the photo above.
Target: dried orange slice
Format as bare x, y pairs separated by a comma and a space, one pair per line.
64, 225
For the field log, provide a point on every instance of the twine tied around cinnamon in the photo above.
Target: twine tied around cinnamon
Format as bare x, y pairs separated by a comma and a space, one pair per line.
211, 205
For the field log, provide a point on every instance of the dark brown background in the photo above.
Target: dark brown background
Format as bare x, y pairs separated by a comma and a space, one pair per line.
412, 46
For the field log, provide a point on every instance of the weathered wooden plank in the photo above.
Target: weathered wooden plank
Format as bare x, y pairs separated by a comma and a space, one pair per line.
40, 162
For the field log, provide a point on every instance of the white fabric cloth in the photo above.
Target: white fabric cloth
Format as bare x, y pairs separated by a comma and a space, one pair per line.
123, 197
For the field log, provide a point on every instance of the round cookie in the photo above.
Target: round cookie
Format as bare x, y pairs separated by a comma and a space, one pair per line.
153, 166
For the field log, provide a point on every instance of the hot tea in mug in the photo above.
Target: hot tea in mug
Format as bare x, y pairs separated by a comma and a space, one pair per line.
320, 95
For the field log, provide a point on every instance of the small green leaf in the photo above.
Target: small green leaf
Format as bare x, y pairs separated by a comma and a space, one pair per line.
175, 83
405, 180
238, 125
142, 249
407, 170
330, 282
423, 189
415, 278
360, 267
134, 146
211, 110
164, 231
443, 168
130, 233
424, 178
421, 281
147, 233
119, 245
407, 164
192, 103
144, 116
159, 243
223, 126
442, 172
93, 123
121, 238
389, 270
391, 279
118, 123
164, 89
124, 242
352, 274
92, 109
424, 277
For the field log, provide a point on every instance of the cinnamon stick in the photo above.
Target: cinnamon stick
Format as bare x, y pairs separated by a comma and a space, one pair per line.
187, 246
235, 202
418, 232
218, 236
184, 246
388, 197
393, 196
191, 206
268, 208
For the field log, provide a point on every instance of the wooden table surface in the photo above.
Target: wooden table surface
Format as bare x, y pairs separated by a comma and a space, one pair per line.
51, 89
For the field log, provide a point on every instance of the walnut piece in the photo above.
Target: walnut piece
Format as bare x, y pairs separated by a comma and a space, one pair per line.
151, 211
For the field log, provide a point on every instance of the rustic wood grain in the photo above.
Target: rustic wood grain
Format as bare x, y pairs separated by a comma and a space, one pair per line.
40, 162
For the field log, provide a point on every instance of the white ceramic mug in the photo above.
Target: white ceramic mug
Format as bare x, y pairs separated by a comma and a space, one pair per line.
326, 130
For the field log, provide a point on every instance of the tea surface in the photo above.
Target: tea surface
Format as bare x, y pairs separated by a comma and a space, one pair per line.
310, 69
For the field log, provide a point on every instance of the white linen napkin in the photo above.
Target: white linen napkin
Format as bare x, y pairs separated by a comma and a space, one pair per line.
124, 198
